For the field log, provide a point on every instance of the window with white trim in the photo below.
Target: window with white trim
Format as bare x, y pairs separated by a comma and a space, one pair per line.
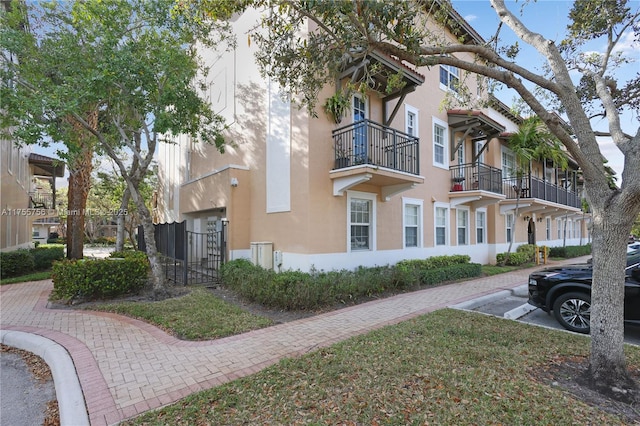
441, 225
361, 221
508, 163
462, 226
559, 225
509, 221
440, 141
548, 228
449, 77
481, 226
411, 120
412, 227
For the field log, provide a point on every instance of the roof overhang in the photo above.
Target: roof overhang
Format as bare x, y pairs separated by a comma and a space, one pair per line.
46, 166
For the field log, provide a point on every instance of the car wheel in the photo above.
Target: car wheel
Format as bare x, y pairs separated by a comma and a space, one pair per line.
573, 312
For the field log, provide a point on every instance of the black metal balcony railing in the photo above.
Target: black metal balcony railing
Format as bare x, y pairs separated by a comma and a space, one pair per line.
532, 187
368, 142
41, 200
476, 176
479, 176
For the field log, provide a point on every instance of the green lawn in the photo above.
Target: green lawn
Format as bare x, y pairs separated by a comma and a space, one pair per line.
448, 367
197, 316
36, 276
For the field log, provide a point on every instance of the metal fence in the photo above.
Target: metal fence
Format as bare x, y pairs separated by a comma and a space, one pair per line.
188, 257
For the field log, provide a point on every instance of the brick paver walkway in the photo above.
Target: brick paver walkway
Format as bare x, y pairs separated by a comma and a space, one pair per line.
126, 367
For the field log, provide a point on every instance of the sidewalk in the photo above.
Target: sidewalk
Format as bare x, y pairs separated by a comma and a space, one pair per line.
125, 366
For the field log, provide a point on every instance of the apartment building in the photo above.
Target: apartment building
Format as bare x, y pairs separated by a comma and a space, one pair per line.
397, 178
27, 199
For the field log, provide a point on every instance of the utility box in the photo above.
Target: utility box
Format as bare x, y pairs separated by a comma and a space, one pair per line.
262, 254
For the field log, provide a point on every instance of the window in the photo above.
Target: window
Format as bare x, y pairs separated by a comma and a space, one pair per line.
449, 78
508, 164
360, 130
10, 157
463, 225
509, 220
412, 222
479, 146
439, 143
559, 225
361, 221
441, 225
481, 225
411, 120
548, 228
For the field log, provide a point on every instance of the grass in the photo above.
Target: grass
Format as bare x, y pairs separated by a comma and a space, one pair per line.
36, 276
198, 315
447, 367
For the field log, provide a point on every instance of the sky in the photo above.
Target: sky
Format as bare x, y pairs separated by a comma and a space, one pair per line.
550, 18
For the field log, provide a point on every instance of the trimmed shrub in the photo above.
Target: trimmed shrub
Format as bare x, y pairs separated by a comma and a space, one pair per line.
299, 290
515, 259
529, 250
99, 278
16, 263
45, 254
570, 251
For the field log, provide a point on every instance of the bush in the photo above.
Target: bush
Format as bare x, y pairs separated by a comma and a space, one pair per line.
529, 251
570, 251
100, 278
45, 254
300, 290
16, 263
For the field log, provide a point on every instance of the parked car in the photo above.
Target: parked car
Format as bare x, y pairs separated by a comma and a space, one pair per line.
633, 246
566, 291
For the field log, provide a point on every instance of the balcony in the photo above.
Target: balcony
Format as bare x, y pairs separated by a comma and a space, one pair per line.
475, 184
41, 200
536, 188
369, 152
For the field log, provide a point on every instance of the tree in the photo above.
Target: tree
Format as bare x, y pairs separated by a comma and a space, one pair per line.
122, 74
341, 32
532, 142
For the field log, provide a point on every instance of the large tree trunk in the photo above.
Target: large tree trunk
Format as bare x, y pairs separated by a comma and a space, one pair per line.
120, 221
159, 282
79, 185
607, 369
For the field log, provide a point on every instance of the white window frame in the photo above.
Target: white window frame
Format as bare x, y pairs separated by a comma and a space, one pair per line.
372, 222
559, 225
462, 213
479, 145
509, 221
408, 111
451, 72
548, 234
483, 228
508, 170
419, 204
447, 214
445, 143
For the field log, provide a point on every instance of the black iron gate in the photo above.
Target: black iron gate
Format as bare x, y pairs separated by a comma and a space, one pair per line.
188, 257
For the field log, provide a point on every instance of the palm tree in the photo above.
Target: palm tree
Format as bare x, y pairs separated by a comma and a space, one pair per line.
531, 142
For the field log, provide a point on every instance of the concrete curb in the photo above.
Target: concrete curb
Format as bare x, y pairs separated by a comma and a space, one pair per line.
71, 404
520, 311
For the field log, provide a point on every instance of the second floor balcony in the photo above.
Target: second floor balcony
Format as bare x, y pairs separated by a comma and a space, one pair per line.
478, 184
369, 152
42, 200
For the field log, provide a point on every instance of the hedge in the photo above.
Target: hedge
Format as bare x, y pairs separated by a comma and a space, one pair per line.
16, 263
292, 290
45, 254
570, 251
99, 278
25, 261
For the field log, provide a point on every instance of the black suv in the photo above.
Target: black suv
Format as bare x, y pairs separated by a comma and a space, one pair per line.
566, 290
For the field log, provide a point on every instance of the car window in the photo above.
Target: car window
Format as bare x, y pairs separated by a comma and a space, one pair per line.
633, 258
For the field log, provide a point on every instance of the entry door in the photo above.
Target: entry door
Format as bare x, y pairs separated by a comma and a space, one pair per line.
359, 129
